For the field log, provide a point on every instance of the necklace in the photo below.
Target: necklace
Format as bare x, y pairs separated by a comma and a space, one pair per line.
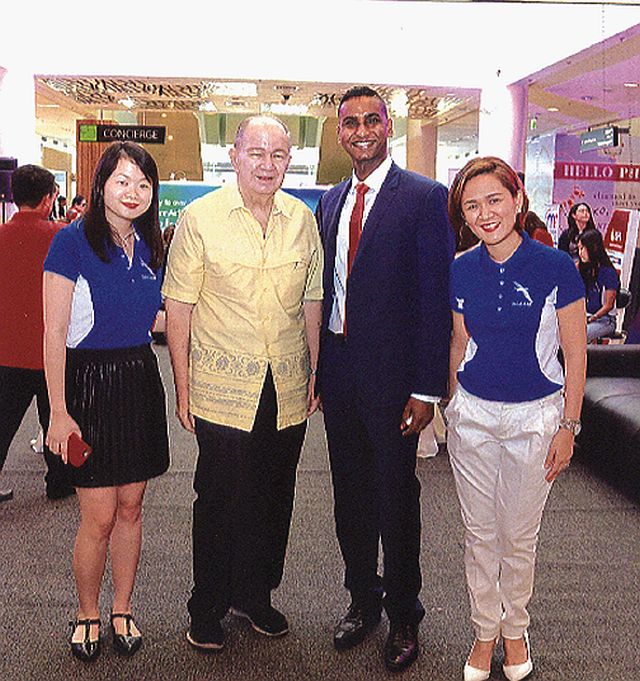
120, 240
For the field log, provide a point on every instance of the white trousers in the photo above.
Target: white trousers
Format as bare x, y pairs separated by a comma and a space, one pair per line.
497, 452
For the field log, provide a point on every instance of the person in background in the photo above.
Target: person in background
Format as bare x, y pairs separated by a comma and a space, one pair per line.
24, 242
243, 294
514, 412
536, 229
601, 284
580, 219
62, 209
101, 295
78, 208
383, 368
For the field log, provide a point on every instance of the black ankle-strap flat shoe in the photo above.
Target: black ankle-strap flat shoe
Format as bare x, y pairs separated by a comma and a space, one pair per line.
125, 644
85, 650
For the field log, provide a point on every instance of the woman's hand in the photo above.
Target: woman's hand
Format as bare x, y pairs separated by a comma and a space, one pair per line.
61, 425
560, 453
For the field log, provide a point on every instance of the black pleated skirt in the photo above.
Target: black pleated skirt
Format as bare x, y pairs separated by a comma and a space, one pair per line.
117, 398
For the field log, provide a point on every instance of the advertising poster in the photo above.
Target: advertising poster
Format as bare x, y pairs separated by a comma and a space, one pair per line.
603, 182
174, 196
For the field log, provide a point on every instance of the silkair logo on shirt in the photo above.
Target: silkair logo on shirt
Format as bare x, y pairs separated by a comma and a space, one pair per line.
525, 300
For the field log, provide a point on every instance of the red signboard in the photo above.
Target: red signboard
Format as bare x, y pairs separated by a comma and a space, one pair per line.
571, 170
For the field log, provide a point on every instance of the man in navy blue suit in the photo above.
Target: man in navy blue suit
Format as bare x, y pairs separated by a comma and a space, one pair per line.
383, 366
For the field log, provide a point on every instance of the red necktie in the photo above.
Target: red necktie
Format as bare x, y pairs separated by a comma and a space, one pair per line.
355, 230
355, 224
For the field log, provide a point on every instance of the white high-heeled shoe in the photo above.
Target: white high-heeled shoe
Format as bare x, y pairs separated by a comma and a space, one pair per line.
470, 673
517, 672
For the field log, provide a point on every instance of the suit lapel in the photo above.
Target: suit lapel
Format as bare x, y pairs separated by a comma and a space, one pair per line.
378, 215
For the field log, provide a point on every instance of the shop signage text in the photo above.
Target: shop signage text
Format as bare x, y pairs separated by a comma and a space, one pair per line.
143, 134
567, 170
600, 138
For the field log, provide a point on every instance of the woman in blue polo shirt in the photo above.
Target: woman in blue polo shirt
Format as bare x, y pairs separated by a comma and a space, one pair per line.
101, 296
513, 417
601, 284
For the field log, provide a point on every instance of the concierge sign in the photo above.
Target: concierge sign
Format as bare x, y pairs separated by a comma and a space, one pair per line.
142, 134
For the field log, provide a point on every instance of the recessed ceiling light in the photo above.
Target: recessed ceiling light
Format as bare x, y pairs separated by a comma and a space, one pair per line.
285, 109
632, 84
553, 109
230, 89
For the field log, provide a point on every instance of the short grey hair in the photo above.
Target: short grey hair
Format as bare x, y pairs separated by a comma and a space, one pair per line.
256, 117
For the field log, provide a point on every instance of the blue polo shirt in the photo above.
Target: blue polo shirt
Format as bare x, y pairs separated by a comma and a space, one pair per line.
607, 280
114, 303
509, 311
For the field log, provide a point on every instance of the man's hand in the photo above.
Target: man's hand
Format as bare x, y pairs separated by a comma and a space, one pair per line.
416, 416
313, 400
186, 418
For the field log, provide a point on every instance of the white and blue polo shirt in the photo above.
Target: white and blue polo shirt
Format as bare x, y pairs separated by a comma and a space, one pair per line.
509, 311
114, 303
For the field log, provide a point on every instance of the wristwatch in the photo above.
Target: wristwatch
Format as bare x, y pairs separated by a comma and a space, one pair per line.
572, 425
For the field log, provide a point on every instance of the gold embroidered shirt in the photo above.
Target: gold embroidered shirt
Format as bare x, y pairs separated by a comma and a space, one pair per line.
248, 291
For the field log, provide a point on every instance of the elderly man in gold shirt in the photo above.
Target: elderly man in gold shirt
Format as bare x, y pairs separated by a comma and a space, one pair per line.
243, 297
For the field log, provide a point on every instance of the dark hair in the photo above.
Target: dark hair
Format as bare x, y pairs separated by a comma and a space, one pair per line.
592, 240
480, 166
362, 91
77, 200
573, 230
96, 226
30, 184
532, 222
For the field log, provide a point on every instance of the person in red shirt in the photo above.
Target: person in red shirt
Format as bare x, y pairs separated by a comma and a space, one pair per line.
537, 229
77, 210
24, 243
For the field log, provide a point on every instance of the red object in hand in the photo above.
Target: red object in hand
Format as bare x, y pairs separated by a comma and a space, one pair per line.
78, 450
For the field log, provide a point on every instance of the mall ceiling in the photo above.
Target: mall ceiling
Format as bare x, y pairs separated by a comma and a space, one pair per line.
591, 88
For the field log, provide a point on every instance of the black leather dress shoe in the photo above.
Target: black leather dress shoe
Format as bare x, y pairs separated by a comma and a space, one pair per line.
401, 648
6, 495
354, 626
125, 644
86, 650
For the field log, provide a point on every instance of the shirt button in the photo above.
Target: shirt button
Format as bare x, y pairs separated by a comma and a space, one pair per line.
502, 283
500, 295
499, 309
502, 270
132, 280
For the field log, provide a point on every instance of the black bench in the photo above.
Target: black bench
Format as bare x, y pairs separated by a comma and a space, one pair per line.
610, 439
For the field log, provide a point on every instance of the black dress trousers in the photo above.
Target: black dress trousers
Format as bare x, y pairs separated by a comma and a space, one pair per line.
245, 484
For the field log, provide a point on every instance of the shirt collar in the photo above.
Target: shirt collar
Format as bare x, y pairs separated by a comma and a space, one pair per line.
377, 177
236, 202
519, 255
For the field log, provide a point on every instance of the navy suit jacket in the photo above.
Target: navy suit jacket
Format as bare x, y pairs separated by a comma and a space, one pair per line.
397, 307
